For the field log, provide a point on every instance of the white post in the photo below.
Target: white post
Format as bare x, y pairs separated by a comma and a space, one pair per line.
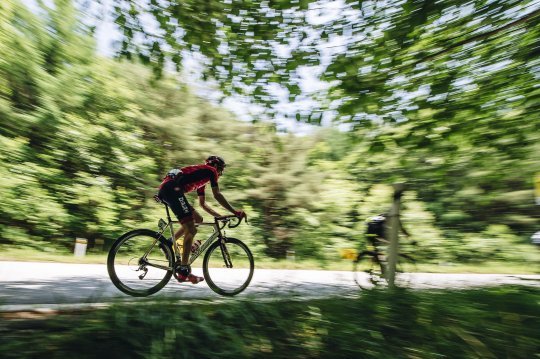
392, 233
80, 247
291, 255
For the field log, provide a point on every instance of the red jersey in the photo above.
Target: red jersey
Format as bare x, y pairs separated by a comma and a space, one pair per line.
194, 178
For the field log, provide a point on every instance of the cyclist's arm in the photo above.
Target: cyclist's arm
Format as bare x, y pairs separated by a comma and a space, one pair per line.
221, 199
202, 203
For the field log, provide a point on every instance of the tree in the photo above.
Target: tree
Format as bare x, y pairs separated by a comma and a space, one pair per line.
445, 87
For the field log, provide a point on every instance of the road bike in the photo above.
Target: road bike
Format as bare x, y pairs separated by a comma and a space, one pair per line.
141, 262
373, 262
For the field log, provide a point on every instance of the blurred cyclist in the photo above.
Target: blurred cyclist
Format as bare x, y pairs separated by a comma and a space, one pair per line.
172, 191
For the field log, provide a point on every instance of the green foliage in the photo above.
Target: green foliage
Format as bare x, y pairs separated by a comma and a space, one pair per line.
84, 140
96, 136
498, 322
441, 94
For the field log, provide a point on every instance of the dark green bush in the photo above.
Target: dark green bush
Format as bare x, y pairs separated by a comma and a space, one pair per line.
487, 323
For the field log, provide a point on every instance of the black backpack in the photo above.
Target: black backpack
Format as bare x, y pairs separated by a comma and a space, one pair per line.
375, 227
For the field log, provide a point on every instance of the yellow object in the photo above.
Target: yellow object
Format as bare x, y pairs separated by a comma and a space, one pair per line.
348, 253
180, 244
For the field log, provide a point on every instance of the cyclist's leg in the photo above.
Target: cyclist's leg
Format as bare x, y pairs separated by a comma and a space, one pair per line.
188, 225
196, 217
185, 218
177, 202
183, 212
190, 231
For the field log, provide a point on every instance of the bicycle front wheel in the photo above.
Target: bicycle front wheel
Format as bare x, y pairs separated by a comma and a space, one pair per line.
140, 263
228, 266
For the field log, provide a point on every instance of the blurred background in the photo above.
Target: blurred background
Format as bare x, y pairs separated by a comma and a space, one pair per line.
316, 106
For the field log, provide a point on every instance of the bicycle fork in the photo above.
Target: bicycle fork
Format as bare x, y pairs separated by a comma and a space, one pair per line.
226, 255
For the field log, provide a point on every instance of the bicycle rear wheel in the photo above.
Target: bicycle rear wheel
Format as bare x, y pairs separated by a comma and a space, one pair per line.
228, 266
140, 263
368, 271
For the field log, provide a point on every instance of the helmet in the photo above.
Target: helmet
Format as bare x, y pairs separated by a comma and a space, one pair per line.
216, 161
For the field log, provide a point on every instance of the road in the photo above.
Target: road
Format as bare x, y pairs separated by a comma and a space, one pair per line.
34, 285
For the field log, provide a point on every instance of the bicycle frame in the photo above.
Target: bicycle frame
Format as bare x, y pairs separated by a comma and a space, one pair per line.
216, 234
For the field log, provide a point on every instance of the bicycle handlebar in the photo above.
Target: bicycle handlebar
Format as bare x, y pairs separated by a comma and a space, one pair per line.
229, 218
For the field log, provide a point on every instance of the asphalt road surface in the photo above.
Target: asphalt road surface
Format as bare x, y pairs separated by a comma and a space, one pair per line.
35, 285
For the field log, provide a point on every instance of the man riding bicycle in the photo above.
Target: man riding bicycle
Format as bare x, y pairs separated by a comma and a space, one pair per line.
172, 191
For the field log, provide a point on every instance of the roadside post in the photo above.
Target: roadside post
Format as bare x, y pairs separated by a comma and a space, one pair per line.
393, 231
80, 247
291, 255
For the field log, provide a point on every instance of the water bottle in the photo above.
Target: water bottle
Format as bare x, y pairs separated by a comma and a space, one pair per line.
180, 244
195, 246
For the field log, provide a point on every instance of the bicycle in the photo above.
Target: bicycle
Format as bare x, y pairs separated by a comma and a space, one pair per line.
141, 262
373, 262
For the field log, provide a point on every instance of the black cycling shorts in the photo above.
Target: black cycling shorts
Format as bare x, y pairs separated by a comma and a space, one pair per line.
177, 201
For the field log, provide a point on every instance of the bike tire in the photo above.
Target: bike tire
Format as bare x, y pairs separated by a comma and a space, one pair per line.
124, 275
222, 279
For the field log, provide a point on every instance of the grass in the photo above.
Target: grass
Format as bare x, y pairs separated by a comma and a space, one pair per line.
27, 254
486, 323
33, 255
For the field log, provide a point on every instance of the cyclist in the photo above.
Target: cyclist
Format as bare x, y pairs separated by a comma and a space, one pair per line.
172, 191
